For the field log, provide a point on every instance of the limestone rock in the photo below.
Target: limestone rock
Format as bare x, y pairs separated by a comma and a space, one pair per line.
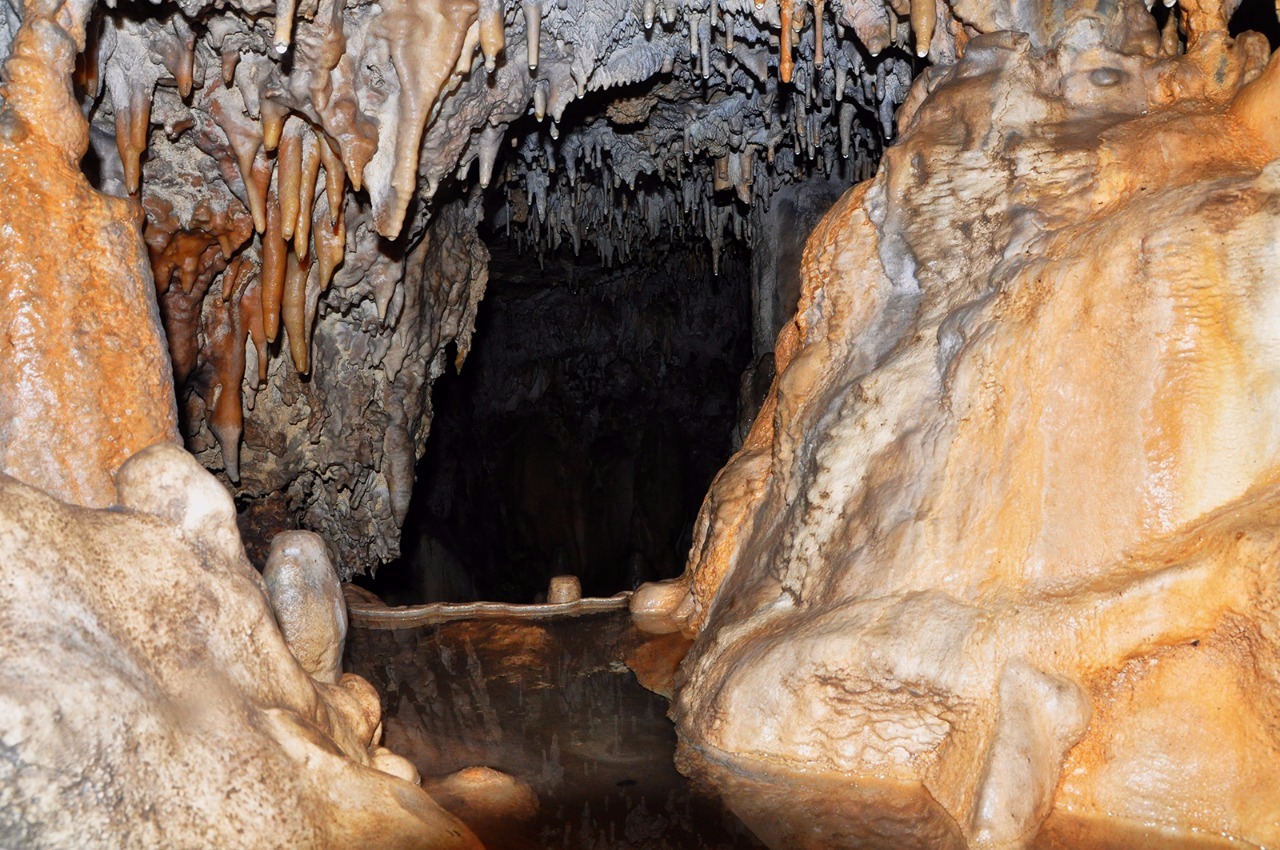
147, 698
306, 596
1001, 545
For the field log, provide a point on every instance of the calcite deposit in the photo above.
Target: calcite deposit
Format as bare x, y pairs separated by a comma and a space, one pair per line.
85, 379
157, 704
995, 566
1002, 545
310, 176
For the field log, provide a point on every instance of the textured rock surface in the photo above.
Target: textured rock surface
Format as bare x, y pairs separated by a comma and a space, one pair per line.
154, 702
84, 381
1003, 540
308, 172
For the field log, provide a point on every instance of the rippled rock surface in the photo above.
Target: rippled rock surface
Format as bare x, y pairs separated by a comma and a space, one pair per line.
1002, 545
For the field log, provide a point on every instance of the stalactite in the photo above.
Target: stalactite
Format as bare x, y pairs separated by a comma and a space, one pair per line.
923, 15
293, 310
274, 268
330, 236
492, 34
334, 178
533, 31
785, 59
225, 334
307, 186
289, 175
133, 121
425, 38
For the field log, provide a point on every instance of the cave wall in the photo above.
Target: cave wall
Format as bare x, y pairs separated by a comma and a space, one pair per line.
999, 551
334, 451
293, 160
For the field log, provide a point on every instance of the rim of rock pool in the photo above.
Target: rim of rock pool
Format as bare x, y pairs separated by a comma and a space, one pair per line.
367, 614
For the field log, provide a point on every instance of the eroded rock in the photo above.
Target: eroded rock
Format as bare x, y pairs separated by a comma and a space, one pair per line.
1010, 506
148, 699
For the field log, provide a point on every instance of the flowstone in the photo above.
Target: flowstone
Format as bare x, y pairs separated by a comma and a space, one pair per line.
149, 699
1000, 550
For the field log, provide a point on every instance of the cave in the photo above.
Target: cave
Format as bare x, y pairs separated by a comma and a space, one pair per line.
640, 424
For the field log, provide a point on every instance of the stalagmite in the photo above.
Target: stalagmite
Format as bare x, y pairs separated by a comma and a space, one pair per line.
274, 266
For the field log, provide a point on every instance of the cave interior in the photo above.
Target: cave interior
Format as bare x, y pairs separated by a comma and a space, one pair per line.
490, 292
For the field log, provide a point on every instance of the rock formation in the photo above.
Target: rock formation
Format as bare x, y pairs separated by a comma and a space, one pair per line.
160, 706
1001, 546
306, 180
995, 560
86, 382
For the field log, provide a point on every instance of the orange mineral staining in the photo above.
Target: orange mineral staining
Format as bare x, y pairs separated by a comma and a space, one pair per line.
85, 377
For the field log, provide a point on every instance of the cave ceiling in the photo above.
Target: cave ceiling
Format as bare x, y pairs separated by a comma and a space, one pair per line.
312, 176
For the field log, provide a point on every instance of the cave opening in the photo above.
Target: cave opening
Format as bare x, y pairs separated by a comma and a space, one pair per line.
624, 340
594, 407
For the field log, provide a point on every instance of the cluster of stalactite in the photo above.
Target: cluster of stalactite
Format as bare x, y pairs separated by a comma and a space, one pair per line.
733, 113
290, 156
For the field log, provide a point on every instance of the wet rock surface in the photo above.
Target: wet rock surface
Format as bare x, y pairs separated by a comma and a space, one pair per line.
152, 701
1003, 533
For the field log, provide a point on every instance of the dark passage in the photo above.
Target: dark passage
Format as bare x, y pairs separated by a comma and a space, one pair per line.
586, 425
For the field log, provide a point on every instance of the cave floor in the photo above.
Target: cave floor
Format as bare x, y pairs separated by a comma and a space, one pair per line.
553, 703
556, 702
